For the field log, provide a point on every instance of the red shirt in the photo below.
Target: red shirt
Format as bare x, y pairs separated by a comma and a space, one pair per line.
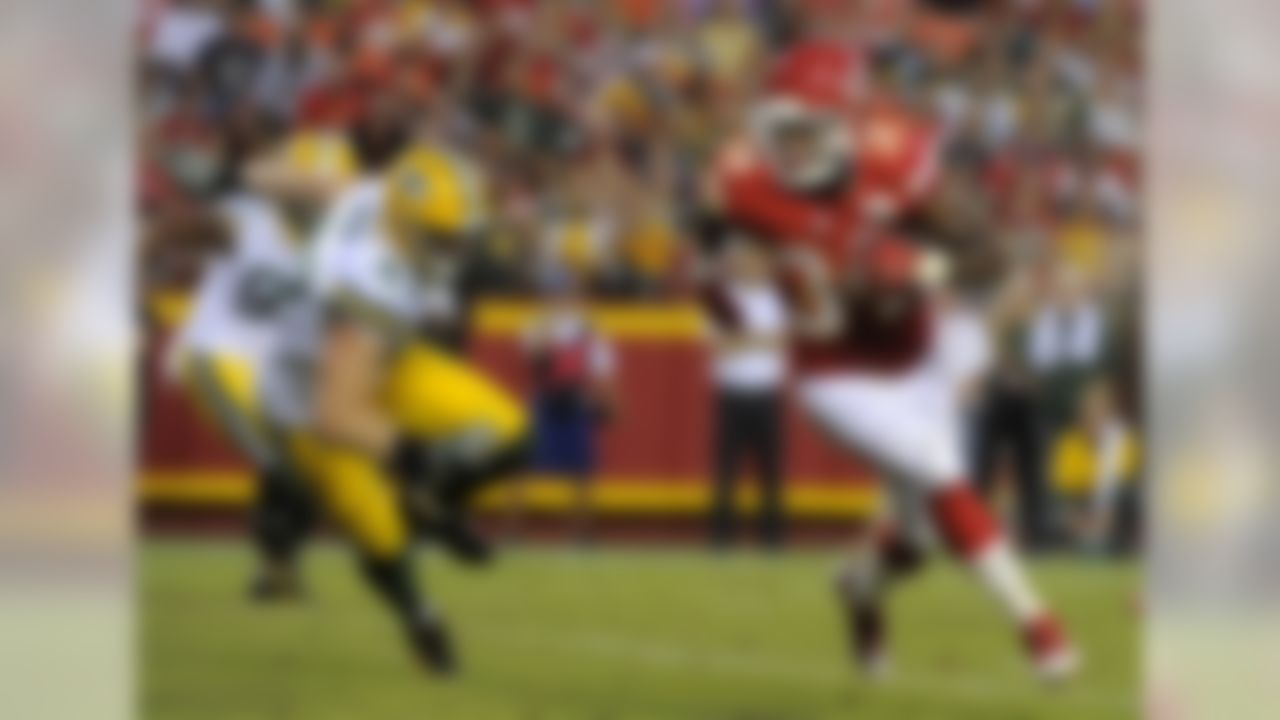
892, 171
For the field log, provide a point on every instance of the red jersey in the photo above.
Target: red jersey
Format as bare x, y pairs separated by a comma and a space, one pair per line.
893, 170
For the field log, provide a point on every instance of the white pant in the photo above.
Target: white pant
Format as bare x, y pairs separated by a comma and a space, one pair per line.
908, 423
907, 426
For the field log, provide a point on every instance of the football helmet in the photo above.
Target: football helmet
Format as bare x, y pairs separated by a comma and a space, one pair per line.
321, 154
802, 125
434, 205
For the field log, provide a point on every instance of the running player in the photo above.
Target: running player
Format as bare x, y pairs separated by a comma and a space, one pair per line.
839, 189
386, 427
242, 292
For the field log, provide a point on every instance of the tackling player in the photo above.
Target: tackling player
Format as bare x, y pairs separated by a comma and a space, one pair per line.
829, 183
384, 425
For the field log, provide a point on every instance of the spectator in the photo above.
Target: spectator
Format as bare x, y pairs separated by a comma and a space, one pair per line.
730, 42
579, 235
748, 327
1095, 465
180, 32
287, 72
573, 374
1066, 343
1009, 421
232, 63
649, 241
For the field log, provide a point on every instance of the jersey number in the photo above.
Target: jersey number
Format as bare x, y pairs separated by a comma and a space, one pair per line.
263, 293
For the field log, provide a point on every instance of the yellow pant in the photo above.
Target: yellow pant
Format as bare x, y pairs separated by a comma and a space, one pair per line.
431, 396
435, 396
356, 493
224, 387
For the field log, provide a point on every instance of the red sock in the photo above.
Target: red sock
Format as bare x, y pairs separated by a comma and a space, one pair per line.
1044, 635
966, 525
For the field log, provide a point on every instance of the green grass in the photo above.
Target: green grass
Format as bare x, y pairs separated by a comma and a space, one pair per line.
613, 635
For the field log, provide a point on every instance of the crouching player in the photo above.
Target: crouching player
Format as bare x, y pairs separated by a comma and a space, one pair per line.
387, 428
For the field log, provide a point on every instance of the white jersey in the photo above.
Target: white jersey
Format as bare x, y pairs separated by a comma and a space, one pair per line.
354, 214
242, 294
351, 264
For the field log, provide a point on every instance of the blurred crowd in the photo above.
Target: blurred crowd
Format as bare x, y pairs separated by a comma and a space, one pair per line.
595, 119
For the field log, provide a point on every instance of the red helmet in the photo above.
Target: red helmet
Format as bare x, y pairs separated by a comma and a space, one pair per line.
802, 123
820, 75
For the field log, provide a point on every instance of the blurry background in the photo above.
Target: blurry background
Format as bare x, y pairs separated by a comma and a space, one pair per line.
595, 120
68, 485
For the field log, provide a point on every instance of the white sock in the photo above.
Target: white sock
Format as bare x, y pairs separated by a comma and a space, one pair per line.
859, 577
1001, 572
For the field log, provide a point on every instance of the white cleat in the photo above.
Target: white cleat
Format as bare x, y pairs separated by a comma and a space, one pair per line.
1058, 666
1054, 658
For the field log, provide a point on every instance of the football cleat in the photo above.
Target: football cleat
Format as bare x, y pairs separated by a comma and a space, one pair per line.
276, 584
1053, 657
433, 647
447, 524
462, 540
868, 640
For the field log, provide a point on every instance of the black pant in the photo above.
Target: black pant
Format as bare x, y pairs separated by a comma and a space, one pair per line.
748, 425
1011, 419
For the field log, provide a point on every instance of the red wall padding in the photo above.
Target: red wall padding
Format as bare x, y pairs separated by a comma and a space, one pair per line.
663, 432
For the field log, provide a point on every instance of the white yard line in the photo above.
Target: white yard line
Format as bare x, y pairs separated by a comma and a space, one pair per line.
603, 644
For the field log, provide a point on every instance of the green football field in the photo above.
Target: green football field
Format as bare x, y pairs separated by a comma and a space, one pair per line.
613, 635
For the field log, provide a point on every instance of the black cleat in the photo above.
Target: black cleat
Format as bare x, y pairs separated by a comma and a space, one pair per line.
433, 647
276, 585
448, 524
463, 541
867, 640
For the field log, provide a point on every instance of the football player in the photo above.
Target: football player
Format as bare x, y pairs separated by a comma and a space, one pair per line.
839, 189
387, 427
243, 290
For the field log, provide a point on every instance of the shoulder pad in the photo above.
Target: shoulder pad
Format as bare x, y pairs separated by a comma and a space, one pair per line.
901, 154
